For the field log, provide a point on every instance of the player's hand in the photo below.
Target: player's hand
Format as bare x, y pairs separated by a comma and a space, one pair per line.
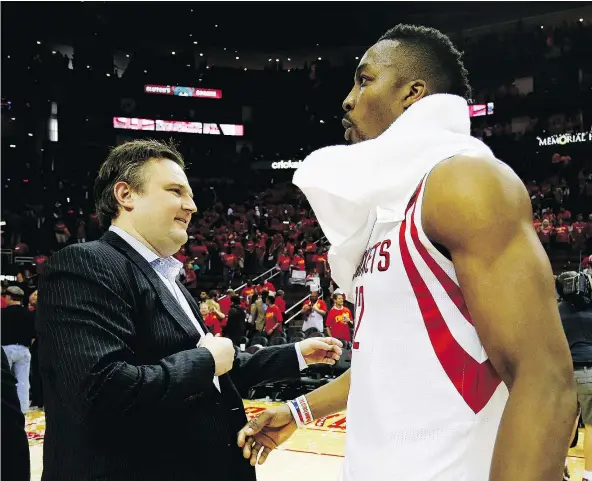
321, 350
222, 351
263, 434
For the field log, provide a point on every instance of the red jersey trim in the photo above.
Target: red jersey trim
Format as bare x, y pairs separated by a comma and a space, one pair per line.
475, 382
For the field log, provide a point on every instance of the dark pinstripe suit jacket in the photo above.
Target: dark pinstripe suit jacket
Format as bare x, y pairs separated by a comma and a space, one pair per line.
128, 395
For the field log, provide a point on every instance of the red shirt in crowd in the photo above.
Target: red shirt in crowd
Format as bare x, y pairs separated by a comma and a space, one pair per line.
247, 292
578, 232
565, 215
250, 246
260, 250
198, 252
310, 248
225, 305
273, 315
298, 263
284, 262
281, 304
338, 323
545, 234
289, 249
230, 260
269, 286
212, 322
320, 262
562, 233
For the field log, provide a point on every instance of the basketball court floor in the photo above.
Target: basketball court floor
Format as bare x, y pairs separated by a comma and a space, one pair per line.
313, 452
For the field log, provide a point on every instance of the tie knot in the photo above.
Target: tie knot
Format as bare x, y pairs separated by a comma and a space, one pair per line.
169, 267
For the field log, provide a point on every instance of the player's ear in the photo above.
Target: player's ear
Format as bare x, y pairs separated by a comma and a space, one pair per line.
414, 90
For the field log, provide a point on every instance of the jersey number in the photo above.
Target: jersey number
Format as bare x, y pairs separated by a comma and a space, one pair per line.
359, 313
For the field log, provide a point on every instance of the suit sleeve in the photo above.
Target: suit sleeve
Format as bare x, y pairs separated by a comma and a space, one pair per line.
86, 338
270, 364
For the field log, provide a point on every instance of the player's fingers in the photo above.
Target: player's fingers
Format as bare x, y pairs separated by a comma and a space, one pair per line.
247, 448
255, 453
264, 455
257, 424
333, 341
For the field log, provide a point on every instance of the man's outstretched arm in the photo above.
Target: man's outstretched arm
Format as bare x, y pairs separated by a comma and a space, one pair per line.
480, 211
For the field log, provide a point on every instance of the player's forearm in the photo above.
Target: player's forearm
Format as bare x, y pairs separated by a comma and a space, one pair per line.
330, 398
535, 430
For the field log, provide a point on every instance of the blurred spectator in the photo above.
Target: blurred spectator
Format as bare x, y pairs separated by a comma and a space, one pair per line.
339, 320
257, 313
226, 301
298, 261
280, 302
283, 264
273, 317
211, 320
314, 310
236, 325
18, 331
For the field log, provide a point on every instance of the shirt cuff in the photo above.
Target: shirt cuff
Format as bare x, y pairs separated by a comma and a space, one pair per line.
301, 362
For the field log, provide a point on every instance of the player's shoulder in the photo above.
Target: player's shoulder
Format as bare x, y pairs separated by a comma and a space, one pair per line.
473, 192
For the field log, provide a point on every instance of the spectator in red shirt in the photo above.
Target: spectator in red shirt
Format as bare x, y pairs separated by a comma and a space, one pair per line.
339, 320
545, 232
230, 262
273, 317
211, 320
564, 214
190, 280
181, 255
562, 236
320, 261
268, 286
279, 301
199, 252
40, 261
226, 301
283, 264
298, 261
289, 247
578, 233
248, 292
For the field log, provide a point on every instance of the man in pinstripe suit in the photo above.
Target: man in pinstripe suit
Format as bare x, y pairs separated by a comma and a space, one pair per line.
135, 389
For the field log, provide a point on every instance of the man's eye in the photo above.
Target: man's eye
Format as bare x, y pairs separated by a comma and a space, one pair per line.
363, 80
177, 191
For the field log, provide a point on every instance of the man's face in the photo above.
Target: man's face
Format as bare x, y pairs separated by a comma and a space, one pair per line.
380, 93
162, 211
203, 296
33, 299
314, 297
204, 310
339, 301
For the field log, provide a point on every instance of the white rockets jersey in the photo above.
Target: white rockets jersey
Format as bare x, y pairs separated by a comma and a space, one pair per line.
424, 403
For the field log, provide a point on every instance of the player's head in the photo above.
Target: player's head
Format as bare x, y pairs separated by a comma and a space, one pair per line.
338, 298
142, 188
546, 223
405, 65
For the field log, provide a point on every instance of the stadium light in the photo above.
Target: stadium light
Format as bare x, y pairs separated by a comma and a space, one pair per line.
173, 53
108, 75
201, 54
195, 42
38, 42
237, 58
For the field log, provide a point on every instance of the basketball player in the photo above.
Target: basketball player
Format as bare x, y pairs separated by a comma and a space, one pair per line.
460, 368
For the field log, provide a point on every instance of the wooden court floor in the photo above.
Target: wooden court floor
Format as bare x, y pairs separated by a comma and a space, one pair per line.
316, 450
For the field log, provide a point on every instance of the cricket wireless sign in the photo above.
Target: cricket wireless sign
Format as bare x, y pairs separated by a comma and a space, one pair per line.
564, 139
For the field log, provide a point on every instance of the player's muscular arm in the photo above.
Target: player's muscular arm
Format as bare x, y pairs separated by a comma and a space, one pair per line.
479, 210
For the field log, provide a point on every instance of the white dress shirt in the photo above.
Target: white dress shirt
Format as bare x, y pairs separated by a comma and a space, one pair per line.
170, 282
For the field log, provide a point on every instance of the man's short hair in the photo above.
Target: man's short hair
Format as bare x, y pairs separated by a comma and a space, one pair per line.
125, 163
432, 57
212, 294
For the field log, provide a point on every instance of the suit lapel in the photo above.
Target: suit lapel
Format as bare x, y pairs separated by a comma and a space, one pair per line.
170, 303
193, 305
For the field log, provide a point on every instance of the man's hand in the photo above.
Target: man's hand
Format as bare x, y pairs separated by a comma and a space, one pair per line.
265, 433
321, 350
222, 351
